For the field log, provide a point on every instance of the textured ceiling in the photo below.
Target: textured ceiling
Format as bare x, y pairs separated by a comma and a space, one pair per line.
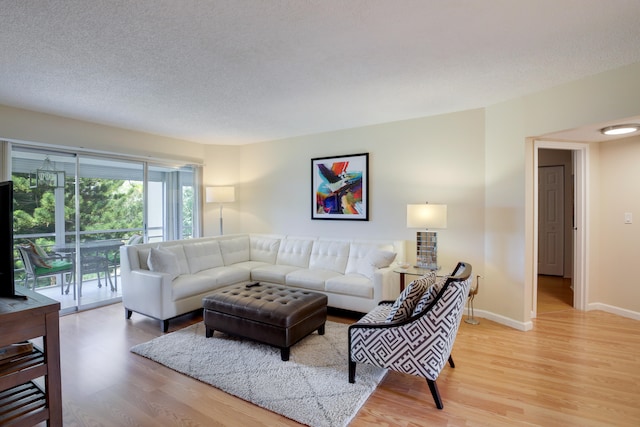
244, 71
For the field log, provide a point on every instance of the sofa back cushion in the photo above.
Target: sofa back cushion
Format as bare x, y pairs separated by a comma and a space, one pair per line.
264, 249
294, 252
203, 255
178, 251
329, 255
235, 250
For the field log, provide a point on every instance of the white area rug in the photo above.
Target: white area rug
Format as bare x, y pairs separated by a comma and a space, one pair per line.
311, 388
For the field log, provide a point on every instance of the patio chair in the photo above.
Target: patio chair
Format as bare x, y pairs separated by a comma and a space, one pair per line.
97, 264
37, 266
421, 342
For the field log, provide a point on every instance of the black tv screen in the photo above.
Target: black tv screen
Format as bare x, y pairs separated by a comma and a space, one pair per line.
7, 285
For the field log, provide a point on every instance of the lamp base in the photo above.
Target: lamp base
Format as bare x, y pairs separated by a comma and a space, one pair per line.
427, 250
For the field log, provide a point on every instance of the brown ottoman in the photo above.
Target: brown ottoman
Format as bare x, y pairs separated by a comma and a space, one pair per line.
271, 314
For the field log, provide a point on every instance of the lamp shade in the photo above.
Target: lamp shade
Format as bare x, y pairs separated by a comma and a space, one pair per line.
426, 216
220, 194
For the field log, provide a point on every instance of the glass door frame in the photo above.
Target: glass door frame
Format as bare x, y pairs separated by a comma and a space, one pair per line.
61, 235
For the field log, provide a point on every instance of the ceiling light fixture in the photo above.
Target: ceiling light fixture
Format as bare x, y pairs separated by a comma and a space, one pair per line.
620, 129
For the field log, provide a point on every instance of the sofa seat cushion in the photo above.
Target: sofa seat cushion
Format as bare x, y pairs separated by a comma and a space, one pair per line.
227, 275
378, 315
310, 279
350, 284
188, 285
272, 273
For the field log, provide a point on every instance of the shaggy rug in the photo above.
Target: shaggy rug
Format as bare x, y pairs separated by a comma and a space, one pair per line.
311, 388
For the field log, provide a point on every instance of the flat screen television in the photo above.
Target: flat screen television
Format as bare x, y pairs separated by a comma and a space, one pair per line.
7, 282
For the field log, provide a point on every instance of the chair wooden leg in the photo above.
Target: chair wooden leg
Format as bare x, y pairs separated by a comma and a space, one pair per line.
164, 325
453, 365
435, 393
352, 372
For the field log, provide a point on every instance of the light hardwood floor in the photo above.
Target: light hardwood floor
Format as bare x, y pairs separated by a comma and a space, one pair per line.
554, 294
573, 369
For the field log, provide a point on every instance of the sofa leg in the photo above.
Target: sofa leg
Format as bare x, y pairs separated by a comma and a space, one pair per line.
165, 325
127, 313
352, 372
435, 393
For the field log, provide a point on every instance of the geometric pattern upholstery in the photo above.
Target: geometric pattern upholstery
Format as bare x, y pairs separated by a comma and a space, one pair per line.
427, 298
406, 302
418, 345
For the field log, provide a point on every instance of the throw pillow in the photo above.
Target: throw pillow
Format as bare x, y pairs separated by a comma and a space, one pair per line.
163, 261
35, 258
374, 260
178, 251
403, 307
37, 249
428, 295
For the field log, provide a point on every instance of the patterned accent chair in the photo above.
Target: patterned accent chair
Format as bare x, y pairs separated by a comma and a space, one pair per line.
419, 344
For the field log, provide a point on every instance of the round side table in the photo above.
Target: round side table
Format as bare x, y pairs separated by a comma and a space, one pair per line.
412, 271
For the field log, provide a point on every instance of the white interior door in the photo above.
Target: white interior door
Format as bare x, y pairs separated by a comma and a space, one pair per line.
551, 220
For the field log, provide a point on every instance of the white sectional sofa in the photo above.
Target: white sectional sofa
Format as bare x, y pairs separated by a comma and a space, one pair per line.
165, 280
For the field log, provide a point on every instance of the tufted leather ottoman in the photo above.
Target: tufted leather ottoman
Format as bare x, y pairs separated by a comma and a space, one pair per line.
271, 314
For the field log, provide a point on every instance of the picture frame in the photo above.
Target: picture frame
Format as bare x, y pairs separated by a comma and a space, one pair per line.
340, 187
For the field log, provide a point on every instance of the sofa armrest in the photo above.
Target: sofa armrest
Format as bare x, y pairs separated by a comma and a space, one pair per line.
386, 284
147, 292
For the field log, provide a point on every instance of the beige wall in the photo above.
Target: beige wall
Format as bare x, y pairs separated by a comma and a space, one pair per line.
509, 257
29, 126
619, 243
477, 162
436, 159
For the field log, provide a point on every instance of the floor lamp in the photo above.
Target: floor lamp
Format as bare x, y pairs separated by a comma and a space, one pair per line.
428, 217
220, 195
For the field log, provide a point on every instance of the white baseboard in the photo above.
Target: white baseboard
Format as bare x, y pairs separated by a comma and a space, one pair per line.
521, 326
527, 326
613, 310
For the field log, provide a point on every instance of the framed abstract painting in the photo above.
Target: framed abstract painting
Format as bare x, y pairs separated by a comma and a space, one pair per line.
340, 187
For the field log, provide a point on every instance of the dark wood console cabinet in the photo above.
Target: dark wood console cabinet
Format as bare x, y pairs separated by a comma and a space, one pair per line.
23, 402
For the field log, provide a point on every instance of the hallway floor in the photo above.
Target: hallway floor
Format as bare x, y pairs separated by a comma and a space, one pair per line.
554, 294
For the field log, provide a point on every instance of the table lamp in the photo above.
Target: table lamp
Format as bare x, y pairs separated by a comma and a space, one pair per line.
428, 217
220, 195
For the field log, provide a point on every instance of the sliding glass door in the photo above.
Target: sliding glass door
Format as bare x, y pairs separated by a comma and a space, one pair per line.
44, 211
78, 209
171, 202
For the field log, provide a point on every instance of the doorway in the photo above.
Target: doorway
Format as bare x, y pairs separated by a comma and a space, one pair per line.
560, 197
555, 237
